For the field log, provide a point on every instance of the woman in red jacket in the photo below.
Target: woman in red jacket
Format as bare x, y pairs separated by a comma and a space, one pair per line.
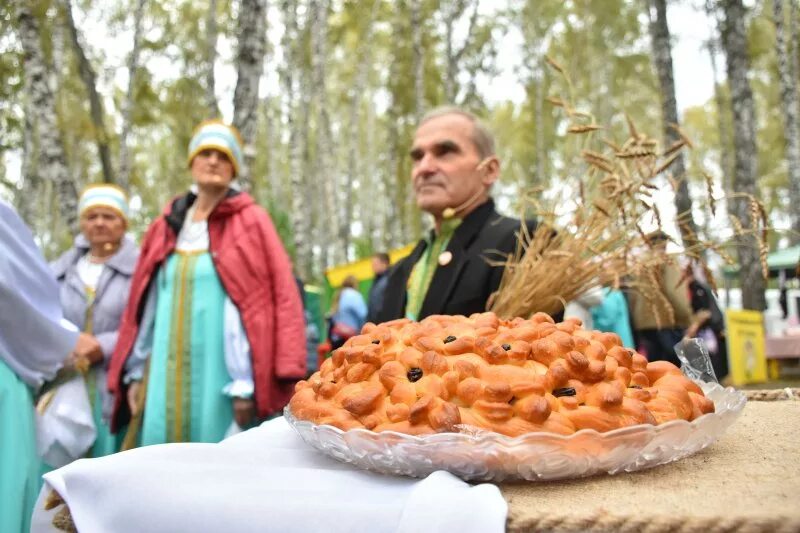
214, 330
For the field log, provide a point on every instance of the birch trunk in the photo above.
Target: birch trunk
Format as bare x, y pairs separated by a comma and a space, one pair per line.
662, 55
52, 162
734, 40
364, 60
452, 15
26, 198
324, 168
300, 199
124, 174
211, 59
723, 126
418, 59
789, 103
89, 79
250, 67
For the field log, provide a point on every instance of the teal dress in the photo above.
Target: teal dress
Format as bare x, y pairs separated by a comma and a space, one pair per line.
187, 373
19, 463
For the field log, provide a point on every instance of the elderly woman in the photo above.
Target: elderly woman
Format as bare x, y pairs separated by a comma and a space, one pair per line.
94, 278
213, 331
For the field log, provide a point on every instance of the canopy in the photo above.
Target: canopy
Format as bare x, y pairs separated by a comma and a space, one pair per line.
786, 259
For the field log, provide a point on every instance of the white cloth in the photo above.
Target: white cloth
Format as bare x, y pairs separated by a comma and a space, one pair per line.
237, 354
265, 479
193, 236
66, 430
33, 340
89, 272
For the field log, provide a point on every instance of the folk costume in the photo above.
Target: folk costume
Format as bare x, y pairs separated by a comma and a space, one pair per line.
214, 314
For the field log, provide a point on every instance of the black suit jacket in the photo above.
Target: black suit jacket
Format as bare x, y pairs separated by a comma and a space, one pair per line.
463, 286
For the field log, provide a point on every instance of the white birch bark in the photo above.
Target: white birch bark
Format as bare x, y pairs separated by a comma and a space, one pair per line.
124, 173
451, 15
250, 67
301, 201
418, 59
324, 167
734, 40
662, 57
52, 161
790, 109
363, 61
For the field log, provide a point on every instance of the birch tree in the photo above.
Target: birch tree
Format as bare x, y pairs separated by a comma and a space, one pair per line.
359, 86
790, 107
300, 200
734, 40
211, 58
52, 162
124, 174
662, 57
89, 79
451, 15
250, 66
325, 170
418, 60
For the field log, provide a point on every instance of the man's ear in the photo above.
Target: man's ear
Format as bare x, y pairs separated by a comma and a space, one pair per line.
491, 171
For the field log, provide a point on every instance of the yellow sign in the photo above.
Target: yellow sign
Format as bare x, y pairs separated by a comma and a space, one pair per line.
746, 346
362, 269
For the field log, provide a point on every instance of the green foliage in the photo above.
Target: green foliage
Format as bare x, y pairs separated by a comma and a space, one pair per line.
603, 46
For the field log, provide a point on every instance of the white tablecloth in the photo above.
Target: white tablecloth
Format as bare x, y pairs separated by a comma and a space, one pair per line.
265, 479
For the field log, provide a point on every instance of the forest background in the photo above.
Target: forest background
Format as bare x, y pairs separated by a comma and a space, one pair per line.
327, 94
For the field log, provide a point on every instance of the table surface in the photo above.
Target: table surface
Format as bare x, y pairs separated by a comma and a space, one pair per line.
783, 347
748, 480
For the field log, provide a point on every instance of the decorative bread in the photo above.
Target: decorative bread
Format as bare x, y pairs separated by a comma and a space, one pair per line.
507, 376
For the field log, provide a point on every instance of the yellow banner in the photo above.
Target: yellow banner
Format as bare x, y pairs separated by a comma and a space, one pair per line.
362, 269
746, 346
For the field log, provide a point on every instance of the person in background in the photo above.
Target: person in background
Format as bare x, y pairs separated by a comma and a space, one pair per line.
581, 307
213, 332
35, 341
94, 278
453, 168
612, 315
348, 313
658, 327
380, 266
709, 323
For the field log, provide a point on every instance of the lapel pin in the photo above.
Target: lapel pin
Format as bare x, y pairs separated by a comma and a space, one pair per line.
445, 258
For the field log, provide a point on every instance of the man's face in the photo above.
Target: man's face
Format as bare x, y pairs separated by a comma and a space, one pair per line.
378, 266
445, 164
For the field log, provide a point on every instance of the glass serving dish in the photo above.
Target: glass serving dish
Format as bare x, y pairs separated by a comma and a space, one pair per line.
480, 455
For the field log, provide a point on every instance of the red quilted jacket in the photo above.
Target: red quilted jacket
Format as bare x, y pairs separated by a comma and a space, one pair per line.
254, 269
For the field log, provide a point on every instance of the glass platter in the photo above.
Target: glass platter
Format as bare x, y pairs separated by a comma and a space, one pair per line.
487, 456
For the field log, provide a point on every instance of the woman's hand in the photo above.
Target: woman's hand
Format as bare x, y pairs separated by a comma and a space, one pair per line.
244, 412
88, 348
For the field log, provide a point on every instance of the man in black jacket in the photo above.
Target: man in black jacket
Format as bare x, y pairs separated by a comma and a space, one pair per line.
449, 272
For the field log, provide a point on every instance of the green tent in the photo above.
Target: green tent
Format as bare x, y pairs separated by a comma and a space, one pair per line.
786, 260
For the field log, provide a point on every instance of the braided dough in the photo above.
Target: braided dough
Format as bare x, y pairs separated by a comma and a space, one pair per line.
507, 376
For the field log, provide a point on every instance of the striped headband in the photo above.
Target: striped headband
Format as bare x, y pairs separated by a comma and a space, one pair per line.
219, 136
104, 195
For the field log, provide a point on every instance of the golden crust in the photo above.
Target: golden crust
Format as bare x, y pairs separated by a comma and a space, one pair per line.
507, 376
